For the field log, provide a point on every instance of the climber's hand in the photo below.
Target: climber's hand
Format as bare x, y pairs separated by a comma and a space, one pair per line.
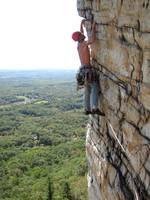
83, 21
93, 24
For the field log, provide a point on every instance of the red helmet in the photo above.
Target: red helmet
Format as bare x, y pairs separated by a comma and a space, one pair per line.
76, 35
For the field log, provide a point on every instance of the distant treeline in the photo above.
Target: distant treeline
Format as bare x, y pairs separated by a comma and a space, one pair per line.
38, 74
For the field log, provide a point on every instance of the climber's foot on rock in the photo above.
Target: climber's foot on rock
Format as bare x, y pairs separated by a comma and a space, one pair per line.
98, 112
87, 112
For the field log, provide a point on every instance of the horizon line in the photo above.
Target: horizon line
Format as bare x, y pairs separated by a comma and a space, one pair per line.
38, 69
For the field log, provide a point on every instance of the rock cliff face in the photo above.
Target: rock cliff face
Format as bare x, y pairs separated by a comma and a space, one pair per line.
118, 145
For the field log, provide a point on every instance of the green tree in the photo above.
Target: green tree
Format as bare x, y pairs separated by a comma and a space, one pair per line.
66, 191
50, 192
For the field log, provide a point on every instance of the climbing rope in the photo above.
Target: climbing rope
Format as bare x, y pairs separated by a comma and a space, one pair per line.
125, 85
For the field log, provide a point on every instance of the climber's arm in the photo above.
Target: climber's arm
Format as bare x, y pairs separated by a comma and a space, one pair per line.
81, 26
93, 35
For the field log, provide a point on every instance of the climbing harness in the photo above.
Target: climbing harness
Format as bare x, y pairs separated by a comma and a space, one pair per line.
86, 73
80, 77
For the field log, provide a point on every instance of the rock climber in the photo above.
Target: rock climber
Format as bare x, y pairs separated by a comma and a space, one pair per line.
87, 75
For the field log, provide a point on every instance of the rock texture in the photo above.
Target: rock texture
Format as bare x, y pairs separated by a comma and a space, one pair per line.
118, 145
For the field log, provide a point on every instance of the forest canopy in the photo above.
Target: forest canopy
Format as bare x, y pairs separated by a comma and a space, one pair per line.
42, 136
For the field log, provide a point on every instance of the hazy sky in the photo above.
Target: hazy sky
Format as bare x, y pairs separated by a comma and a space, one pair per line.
36, 34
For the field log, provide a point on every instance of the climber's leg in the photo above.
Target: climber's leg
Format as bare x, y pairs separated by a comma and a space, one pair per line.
94, 99
87, 98
94, 95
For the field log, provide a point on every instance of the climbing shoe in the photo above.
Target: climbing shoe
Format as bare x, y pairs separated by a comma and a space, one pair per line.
87, 112
98, 112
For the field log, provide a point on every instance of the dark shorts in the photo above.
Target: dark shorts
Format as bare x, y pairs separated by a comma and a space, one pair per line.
86, 73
